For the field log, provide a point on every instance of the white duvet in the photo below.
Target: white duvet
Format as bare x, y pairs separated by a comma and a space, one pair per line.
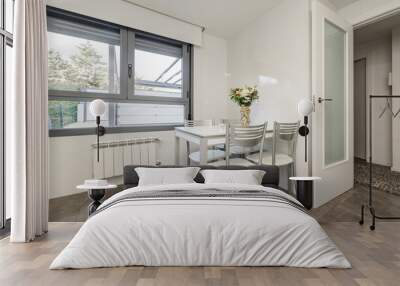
202, 232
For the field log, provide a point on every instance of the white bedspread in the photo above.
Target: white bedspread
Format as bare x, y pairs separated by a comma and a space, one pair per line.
211, 231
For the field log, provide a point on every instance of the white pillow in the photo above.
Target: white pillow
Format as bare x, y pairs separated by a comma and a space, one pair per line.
166, 176
246, 177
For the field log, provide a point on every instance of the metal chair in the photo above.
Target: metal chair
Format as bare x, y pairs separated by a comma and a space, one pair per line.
247, 138
224, 122
213, 154
284, 145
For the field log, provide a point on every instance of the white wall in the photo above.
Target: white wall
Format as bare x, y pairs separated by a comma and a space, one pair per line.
71, 158
379, 64
328, 4
210, 79
132, 16
276, 46
364, 10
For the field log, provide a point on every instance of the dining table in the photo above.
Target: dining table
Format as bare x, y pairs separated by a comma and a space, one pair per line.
204, 137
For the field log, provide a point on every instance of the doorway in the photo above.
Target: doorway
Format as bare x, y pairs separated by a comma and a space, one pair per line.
376, 51
360, 107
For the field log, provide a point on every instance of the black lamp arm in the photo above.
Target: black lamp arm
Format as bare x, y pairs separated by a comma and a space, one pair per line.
304, 131
100, 131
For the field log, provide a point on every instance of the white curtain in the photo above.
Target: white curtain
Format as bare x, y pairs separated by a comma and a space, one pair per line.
27, 123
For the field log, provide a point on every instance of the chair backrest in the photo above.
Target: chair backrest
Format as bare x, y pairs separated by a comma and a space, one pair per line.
246, 137
285, 133
230, 121
194, 123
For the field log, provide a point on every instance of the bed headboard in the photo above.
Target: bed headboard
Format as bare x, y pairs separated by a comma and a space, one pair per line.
270, 179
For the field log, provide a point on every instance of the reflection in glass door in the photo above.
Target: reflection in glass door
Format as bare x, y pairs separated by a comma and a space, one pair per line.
335, 120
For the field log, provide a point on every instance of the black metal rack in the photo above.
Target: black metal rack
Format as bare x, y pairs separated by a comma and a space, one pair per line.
370, 201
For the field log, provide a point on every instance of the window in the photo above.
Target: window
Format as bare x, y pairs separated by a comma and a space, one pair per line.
6, 44
9, 16
145, 79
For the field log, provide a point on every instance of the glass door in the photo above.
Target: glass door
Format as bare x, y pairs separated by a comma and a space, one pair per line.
6, 44
332, 125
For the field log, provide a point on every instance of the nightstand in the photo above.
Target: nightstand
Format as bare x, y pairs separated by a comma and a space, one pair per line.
305, 190
96, 193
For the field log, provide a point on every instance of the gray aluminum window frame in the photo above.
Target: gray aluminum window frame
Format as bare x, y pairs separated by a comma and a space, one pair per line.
127, 84
6, 39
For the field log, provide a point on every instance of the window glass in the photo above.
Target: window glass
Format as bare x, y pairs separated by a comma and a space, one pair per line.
157, 71
9, 9
76, 114
8, 90
8, 70
335, 88
78, 62
149, 114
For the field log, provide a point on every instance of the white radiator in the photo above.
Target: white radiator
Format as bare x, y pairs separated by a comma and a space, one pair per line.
114, 155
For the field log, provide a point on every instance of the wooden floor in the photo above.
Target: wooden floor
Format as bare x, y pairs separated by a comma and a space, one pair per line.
375, 257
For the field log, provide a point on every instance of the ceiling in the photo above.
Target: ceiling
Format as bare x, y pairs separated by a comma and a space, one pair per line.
342, 3
220, 17
376, 30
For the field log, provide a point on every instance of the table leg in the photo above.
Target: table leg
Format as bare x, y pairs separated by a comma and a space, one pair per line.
95, 196
203, 151
176, 150
304, 193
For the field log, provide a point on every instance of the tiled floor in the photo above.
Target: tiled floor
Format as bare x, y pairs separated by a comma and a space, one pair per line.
382, 176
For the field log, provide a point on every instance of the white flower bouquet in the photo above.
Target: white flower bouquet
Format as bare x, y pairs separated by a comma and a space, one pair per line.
244, 96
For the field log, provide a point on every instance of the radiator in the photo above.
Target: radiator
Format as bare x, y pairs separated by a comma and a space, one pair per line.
114, 155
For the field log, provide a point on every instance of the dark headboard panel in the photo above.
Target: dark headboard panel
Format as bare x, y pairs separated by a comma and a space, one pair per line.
271, 177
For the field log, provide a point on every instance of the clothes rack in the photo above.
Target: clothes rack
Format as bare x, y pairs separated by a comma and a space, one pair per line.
370, 200
388, 107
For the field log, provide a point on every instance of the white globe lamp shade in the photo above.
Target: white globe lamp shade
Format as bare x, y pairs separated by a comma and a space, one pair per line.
97, 107
305, 107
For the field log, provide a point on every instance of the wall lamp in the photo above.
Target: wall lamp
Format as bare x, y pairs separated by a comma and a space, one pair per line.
305, 107
97, 109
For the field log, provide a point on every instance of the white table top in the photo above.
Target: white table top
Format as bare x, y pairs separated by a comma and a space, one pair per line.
305, 178
207, 131
92, 187
204, 131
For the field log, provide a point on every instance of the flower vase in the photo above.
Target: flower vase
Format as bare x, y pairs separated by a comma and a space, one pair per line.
245, 116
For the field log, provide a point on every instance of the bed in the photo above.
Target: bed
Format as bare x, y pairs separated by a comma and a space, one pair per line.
198, 224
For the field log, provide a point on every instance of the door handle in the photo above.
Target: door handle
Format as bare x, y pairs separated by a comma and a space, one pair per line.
130, 67
320, 99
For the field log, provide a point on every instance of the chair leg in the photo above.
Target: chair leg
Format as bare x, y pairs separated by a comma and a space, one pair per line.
290, 174
289, 171
187, 153
292, 184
